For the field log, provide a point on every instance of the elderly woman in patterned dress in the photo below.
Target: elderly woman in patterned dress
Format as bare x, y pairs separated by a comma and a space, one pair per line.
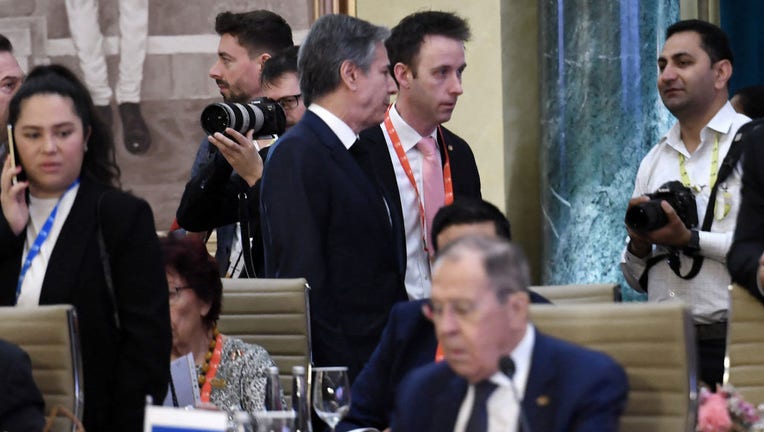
232, 374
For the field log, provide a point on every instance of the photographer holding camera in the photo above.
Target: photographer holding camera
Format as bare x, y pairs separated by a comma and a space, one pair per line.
223, 192
682, 215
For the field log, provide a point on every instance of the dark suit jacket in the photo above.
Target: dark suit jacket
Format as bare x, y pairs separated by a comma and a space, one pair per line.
464, 172
324, 218
21, 404
569, 389
408, 342
120, 367
212, 200
748, 243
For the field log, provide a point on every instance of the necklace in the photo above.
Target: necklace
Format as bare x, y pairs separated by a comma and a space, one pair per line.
205, 368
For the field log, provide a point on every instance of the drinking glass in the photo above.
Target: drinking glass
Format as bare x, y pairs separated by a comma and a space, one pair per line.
331, 394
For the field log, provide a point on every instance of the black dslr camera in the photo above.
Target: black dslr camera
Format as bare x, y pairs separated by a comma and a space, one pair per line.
263, 115
649, 216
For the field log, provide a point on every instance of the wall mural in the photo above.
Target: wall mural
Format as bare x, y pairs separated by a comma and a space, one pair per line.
146, 63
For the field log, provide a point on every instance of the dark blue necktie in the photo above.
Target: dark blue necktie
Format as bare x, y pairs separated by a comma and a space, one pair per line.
478, 421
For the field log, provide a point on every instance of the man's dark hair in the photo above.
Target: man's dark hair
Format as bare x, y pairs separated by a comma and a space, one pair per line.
285, 61
407, 37
713, 40
5, 44
467, 210
752, 101
259, 31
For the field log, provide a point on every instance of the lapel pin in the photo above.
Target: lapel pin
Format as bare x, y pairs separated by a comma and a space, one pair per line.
542, 400
450, 148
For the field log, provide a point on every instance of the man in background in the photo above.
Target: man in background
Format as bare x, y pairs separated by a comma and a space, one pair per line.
11, 77
281, 83
423, 164
695, 66
222, 192
324, 215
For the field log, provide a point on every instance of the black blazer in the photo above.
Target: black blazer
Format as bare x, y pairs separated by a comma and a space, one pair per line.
464, 172
215, 197
21, 404
569, 389
120, 367
324, 218
748, 243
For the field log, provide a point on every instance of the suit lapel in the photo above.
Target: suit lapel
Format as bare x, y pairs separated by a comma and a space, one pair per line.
355, 166
68, 256
448, 402
537, 401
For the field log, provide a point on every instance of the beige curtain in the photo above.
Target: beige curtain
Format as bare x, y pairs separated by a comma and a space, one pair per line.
707, 10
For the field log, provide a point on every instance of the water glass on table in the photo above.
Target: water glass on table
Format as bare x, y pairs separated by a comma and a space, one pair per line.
331, 394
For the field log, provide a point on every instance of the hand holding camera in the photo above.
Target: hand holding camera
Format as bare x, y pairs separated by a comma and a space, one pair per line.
241, 152
664, 217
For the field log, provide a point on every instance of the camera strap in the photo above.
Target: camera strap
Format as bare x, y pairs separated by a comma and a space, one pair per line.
246, 237
672, 258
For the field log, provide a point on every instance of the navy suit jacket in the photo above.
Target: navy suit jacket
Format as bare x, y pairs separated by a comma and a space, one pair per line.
324, 218
408, 342
748, 243
464, 172
569, 389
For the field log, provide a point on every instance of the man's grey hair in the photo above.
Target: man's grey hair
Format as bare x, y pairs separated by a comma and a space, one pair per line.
504, 262
332, 40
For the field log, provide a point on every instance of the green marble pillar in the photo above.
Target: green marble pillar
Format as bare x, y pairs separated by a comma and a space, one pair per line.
600, 114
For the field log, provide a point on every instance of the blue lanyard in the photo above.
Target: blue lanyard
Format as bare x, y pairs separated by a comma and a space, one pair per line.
41, 236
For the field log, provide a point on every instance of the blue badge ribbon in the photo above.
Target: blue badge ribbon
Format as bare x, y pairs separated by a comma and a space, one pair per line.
41, 236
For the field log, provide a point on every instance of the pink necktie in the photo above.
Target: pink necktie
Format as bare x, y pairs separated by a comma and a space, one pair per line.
432, 180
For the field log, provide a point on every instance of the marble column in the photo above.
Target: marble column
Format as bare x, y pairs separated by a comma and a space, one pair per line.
600, 114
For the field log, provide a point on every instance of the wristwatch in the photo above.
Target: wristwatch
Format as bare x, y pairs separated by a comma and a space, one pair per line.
693, 245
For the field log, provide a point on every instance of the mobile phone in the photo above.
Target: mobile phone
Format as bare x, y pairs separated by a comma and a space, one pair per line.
12, 152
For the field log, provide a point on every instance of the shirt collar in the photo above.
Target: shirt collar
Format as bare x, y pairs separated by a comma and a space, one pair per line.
521, 355
339, 127
409, 137
721, 123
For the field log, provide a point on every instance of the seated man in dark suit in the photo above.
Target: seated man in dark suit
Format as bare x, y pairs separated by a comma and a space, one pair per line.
500, 372
409, 337
21, 405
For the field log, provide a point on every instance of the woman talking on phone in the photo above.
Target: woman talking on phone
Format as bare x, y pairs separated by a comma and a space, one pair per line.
70, 236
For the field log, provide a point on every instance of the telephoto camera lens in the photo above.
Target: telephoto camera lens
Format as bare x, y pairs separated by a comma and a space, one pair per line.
263, 115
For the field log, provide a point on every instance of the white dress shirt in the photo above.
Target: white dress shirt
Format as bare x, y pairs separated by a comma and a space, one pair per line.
339, 127
417, 278
39, 210
706, 293
503, 409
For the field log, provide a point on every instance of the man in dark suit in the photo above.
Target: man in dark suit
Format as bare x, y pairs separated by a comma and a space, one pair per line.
223, 192
324, 217
745, 260
409, 337
426, 51
479, 307
21, 406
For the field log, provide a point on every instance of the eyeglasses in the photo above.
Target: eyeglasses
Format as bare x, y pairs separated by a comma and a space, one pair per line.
175, 292
289, 102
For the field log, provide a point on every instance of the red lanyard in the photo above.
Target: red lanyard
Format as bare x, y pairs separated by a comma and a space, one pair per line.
404, 160
439, 354
217, 353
